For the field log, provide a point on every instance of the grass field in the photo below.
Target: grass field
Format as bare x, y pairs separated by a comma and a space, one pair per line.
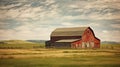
107, 56
19, 44
82, 61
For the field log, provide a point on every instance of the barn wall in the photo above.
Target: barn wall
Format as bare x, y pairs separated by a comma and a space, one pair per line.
88, 40
48, 44
62, 45
76, 44
97, 43
55, 38
88, 36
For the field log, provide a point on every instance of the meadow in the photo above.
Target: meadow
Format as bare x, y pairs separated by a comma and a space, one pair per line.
107, 56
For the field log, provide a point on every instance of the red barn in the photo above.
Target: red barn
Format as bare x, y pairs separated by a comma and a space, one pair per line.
76, 37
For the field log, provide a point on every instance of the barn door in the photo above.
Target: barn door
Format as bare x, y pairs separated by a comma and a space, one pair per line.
92, 44
83, 44
88, 45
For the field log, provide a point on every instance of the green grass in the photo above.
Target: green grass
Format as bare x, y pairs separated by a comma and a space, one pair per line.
107, 56
85, 61
110, 46
70, 58
19, 44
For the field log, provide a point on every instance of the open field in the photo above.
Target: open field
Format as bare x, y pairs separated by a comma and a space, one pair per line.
19, 44
107, 56
19, 53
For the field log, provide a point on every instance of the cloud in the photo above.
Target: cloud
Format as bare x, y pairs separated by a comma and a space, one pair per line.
94, 9
115, 25
105, 31
36, 19
111, 35
10, 6
26, 31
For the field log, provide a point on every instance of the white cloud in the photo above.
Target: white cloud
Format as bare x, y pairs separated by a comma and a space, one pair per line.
115, 25
26, 33
105, 31
95, 24
73, 6
106, 35
67, 24
7, 34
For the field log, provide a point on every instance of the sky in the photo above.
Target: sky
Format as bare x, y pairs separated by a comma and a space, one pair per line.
36, 19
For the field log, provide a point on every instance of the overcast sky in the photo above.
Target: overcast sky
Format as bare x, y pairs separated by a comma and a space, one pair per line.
36, 19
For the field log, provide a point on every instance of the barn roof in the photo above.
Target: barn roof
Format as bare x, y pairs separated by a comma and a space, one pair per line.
67, 40
75, 31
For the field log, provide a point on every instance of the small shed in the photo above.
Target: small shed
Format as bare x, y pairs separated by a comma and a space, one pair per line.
76, 37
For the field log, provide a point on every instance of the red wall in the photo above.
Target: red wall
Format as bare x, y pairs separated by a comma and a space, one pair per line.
97, 42
87, 37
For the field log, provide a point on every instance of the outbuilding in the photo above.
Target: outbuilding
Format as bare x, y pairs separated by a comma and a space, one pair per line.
76, 37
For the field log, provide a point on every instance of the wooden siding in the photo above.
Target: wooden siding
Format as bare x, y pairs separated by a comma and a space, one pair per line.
88, 40
62, 45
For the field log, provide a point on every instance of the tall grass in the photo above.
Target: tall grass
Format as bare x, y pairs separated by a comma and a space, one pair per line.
41, 57
21, 46
62, 62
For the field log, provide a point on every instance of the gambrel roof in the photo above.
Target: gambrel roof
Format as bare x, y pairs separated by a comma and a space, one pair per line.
75, 31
